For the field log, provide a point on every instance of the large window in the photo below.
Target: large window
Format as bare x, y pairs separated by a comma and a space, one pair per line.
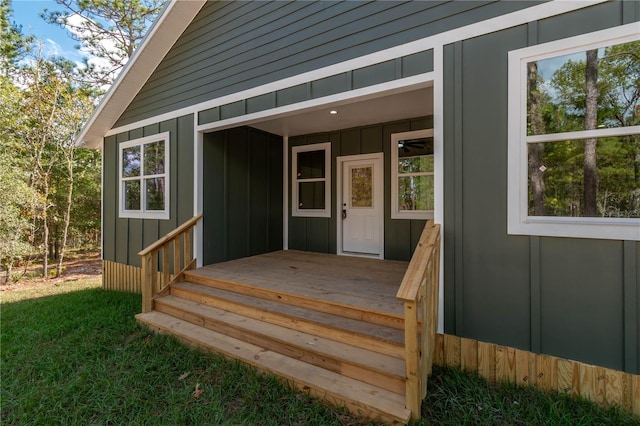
574, 137
144, 177
412, 170
311, 180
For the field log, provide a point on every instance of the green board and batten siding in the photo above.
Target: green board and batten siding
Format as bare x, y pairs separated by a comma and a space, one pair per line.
234, 46
572, 298
123, 238
242, 183
406, 66
319, 234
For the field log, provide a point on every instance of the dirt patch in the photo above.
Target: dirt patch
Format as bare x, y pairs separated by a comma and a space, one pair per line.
79, 266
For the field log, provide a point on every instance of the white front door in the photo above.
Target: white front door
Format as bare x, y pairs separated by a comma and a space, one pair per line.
361, 205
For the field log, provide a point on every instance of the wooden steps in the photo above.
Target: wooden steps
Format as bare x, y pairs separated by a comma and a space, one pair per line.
346, 352
359, 397
360, 333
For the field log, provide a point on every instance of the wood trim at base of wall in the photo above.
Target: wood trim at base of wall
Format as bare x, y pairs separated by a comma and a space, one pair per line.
604, 386
121, 277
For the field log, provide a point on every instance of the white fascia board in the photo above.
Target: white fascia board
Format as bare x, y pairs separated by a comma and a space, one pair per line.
175, 18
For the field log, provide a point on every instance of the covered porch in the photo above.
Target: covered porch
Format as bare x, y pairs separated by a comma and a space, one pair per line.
357, 332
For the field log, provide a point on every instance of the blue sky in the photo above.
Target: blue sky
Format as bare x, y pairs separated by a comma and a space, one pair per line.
56, 40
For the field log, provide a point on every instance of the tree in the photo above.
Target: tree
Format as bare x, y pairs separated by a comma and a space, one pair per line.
12, 42
44, 101
591, 123
15, 199
108, 29
43, 110
536, 127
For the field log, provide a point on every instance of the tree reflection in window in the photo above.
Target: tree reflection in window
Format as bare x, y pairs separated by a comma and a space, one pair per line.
143, 176
415, 174
594, 90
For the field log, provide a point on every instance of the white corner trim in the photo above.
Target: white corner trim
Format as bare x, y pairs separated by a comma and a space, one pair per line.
198, 194
438, 178
285, 192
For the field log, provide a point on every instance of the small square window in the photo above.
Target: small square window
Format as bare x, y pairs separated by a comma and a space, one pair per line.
144, 177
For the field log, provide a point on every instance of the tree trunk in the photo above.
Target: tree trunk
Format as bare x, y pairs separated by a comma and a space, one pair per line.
67, 213
45, 241
591, 123
536, 150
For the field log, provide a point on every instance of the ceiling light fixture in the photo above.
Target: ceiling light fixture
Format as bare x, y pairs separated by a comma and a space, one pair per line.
333, 111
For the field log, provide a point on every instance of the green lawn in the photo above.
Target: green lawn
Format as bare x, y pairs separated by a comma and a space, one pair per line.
80, 358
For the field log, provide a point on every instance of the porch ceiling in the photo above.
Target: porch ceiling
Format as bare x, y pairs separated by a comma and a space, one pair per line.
352, 113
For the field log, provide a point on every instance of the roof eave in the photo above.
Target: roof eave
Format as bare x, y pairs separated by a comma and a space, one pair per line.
163, 34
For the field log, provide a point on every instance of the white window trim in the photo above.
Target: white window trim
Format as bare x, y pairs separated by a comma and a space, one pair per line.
142, 213
396, 213
295, 210
519, 222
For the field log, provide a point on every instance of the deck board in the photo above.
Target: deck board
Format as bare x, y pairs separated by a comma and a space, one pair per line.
341, 279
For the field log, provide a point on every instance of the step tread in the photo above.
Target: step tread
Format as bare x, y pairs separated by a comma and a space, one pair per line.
317, 344
364, 328
393, 308
329, 385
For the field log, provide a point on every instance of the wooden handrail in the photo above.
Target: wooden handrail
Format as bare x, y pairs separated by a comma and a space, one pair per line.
171, 235
157, 277
419, 293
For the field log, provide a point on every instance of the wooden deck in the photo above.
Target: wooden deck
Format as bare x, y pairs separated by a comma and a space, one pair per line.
329, 325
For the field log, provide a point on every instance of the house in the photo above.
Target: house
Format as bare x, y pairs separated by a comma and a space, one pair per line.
342, 127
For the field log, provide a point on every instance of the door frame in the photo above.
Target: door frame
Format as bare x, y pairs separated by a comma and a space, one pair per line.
378, 192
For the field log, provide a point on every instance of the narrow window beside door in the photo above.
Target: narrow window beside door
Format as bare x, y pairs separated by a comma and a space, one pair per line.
412, 168
311, 182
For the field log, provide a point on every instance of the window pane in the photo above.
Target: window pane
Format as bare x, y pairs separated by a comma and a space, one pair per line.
131, 194
131, 161
415, 164
362, 186
559, 99
311, 195
311, 164
155, 193
154, 158
415, 155
415, 193
557, 173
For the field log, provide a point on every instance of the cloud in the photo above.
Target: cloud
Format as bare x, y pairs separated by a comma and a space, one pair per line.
77, 21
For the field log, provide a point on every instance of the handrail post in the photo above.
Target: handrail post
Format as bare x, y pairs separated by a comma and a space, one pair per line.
412, 360
148, 281
154, 281
419, 294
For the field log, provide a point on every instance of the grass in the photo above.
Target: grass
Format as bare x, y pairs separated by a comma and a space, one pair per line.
80, 358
